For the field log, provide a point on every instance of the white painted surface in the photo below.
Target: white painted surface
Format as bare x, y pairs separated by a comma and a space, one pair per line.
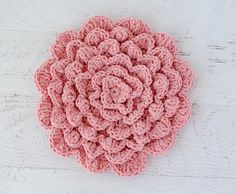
203, 159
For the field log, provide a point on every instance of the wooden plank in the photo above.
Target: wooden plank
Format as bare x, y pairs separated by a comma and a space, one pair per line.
203, 159
48, 181
202, 142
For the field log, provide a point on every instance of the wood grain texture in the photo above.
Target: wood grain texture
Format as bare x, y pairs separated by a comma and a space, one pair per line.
203, 159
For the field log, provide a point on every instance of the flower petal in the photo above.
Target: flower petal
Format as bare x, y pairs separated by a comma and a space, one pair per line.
181, 116
96, 36
111, 145
72, 48
92, 150
97, 63
171, 105
57, 70
175, 80
83, 104
155, 110
119, 157
131, 49
160, 85
84, 54
97, 122
164, 56
136, 26
122, 60
58, 118
119, 131
111, 115
55, 90
187, 76
109, 47
81, 82
73, 138
160, 128
69, 93
59, 47
42, 76
96, 165
58, 143
101, 22
152, 62
162, 145
141, 126
72, 70
131, 167
44, 110
143, 73
73, 115
88, 132
144, 42
164, 40
121, 34
132, 117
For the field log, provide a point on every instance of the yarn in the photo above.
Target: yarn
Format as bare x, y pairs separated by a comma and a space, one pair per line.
112, 94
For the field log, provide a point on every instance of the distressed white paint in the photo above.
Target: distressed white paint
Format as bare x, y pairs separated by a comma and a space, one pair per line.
203, 159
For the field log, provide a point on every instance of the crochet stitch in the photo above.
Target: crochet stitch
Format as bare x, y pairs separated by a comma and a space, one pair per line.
113, 93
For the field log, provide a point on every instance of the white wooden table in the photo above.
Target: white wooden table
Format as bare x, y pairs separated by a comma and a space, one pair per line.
203, 159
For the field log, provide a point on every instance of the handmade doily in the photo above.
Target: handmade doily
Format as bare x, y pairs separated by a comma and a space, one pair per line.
112, 94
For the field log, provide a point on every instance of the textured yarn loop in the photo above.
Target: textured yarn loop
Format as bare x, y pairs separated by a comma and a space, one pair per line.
112, 94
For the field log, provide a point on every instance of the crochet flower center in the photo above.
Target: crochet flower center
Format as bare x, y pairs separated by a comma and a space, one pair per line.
113, 93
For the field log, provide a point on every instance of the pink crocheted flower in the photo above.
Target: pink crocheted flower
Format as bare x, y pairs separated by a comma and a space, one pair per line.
113, 93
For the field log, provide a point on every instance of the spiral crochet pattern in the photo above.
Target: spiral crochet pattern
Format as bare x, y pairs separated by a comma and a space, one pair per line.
112, 94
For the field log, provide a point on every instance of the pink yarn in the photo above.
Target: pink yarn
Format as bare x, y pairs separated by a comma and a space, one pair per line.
112, 94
